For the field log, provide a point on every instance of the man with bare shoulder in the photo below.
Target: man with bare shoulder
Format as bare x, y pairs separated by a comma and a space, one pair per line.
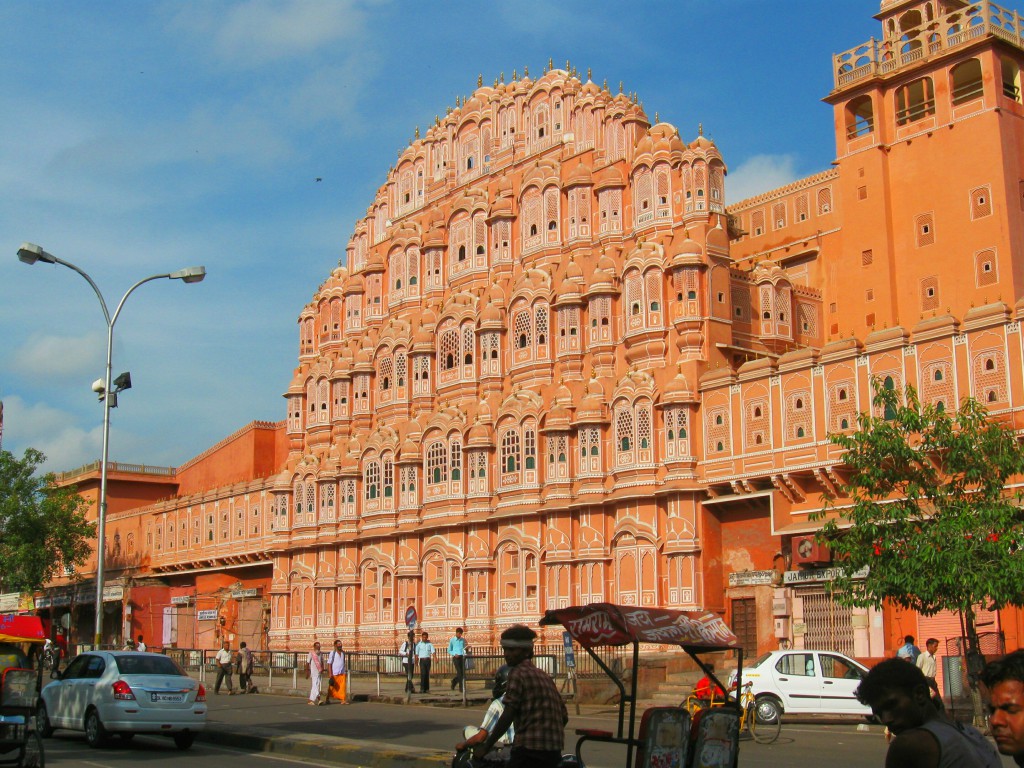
1005, 682
899, 697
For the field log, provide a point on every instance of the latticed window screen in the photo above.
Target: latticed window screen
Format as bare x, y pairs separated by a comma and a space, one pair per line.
449, 349
400, 369
385, 379
981, 202
437, 466
829, 625
624, 429
468, 344
824, 200
522, 331
510, 459
455, 460
985, 267
643, 427
542, 325
371, 481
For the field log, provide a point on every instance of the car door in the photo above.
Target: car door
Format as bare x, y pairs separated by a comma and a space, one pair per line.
840, 677
798, 681
80, 694
59, 692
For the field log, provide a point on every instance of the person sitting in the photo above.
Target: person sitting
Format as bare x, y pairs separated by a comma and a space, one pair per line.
707, 692
474, 736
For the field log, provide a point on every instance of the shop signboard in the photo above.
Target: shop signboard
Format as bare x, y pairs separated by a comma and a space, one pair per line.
208, 615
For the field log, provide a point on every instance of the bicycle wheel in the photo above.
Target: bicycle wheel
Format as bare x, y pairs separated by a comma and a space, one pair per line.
763, 731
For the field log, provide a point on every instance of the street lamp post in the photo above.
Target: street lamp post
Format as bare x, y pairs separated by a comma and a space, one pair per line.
29, 253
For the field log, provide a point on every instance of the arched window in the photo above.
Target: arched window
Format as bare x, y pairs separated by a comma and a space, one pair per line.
967, 84
860, 117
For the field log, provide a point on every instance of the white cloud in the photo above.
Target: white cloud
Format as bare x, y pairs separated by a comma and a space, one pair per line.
758, 175
260, 32
52, 431
48, 356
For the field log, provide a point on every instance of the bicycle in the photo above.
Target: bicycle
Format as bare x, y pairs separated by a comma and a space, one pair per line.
764, 727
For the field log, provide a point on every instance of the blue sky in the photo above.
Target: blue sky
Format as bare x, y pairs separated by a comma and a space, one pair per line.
142, 137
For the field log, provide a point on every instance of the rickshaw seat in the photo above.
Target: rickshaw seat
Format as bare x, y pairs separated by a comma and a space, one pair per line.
664, 738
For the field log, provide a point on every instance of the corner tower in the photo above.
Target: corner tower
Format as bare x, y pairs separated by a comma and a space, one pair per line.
929, 126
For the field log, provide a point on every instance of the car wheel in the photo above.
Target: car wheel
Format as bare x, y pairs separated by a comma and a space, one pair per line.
767, 709
184, 739
95, 733
43, 724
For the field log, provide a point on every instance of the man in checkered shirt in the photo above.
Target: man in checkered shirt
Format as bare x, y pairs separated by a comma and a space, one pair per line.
532, 703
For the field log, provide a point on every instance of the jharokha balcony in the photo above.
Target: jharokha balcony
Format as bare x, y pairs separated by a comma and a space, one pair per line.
906, 43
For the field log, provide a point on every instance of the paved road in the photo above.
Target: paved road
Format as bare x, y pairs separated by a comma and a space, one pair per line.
388, 734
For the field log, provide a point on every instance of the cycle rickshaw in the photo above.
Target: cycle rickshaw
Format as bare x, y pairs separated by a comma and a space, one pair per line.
669, 737
20, 741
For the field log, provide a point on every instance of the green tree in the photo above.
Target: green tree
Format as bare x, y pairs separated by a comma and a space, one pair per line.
929, 515
43, 529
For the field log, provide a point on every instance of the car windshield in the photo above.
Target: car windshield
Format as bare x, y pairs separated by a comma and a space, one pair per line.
148, 664
760, 661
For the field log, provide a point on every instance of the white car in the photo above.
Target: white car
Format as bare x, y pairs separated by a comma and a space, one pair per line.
805, 682
124, 692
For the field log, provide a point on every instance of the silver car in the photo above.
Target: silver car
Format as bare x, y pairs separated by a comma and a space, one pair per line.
124, 692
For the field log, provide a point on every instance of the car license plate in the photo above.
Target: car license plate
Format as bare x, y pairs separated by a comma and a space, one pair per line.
169, 698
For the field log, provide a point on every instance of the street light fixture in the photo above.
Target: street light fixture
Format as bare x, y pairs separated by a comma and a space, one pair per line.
30, 253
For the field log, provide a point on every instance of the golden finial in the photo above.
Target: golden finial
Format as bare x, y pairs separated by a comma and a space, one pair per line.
495, 83
515, 75
657, 117
604, 85
589, 75
567, 67
417, 133
551, 63
458, 101
437, 120
620, 86
479, 80
526, 71
502, 78
700, 129
447, 111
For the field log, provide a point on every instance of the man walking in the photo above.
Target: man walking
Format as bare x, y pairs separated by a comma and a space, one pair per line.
314, 671
908, 651
424, 653
457, 652
408, 655
245, 667
141, 647
223, 662
336, 669
532, 703
899, 697
1005, 682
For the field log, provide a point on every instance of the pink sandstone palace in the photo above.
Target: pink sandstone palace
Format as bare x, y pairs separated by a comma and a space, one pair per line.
556, 368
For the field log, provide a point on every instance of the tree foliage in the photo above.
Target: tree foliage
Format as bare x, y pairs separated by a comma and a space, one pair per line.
43, 529
929, 515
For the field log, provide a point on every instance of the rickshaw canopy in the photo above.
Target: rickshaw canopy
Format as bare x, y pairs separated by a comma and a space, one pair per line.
21, 629
600, 624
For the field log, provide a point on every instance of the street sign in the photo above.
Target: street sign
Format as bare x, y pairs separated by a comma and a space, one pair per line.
570, 655
410, 617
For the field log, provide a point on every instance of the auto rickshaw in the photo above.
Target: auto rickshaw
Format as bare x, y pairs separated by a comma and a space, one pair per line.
20, 741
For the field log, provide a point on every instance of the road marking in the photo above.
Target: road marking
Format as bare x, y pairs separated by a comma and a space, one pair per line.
265, 756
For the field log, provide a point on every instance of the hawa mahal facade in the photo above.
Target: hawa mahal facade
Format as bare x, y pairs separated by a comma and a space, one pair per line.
556, 368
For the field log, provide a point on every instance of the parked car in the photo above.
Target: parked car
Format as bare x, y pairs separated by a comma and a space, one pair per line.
124, 692
805, 682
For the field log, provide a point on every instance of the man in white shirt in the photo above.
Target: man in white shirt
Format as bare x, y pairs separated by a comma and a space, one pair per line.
141, 647
926, 661
223, 662
336, 669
